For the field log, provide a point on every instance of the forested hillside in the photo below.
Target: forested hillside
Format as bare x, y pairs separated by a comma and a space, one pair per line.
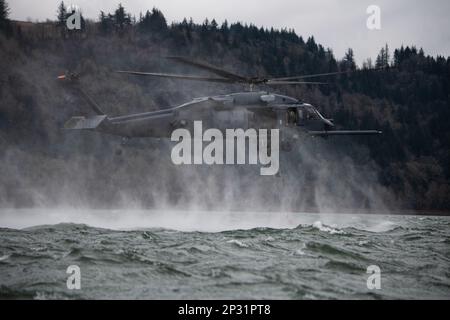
42, 165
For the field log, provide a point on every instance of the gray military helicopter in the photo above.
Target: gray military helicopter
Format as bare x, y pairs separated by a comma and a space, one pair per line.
248, 109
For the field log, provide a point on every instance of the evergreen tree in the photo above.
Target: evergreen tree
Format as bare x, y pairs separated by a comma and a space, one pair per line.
349, 60
383, 58
145, 22
224, 30
224, 26
155, 22
214, 24
121, 18
387, 56
4, 13
158, 21
311, 44
106, 23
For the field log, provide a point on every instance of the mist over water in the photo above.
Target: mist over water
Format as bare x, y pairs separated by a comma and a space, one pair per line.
317, 176
44, 166
193, 220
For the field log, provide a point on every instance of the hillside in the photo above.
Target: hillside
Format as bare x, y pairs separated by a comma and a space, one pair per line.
43, 165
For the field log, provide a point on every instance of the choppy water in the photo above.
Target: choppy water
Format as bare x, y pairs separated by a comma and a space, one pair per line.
209, 255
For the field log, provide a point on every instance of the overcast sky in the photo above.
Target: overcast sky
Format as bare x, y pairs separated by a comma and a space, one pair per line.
335, 24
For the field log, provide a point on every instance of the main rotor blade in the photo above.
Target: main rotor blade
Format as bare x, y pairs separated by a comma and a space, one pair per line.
177, 76
208, 67
275, 83
325, 74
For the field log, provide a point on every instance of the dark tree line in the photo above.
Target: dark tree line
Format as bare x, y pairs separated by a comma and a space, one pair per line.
118, 22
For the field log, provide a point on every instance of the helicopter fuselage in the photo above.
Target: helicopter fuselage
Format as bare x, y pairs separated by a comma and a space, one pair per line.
237, 110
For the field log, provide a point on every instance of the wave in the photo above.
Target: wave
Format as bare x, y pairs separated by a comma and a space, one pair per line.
5, 257
187, 221
319, 225
305, 260
238, 243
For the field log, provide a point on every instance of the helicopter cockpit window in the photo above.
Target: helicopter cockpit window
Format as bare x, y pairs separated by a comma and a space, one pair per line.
311, 114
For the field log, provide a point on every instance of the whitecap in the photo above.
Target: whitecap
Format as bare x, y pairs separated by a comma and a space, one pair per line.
363, 242
300, 251
319, 225
5, 257
238, 243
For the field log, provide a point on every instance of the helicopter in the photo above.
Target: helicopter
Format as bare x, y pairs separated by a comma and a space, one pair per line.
244, 110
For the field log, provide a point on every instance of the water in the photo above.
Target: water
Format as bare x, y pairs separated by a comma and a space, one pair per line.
208, 255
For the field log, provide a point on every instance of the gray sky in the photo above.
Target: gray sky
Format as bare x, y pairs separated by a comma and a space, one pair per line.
335, 24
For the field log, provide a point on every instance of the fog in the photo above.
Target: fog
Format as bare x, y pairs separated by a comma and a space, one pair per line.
48, 168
